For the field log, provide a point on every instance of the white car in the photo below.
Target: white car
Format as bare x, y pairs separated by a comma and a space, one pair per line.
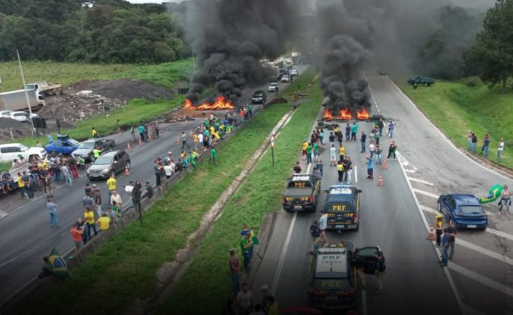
9, 152
294, 72
5, 113
285, 78
273, 87
22, 116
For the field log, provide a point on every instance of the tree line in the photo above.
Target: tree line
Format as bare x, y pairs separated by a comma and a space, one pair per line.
101, 31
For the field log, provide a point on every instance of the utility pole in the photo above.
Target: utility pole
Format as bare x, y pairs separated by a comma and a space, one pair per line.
26, 94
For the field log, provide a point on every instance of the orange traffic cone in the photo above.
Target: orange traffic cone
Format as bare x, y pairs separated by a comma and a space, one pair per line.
140, 142
431, 234
127, 171
384, 165
128, 146
380, 181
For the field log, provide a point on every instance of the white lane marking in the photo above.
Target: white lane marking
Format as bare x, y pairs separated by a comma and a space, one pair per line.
422, 192
443, 135
283, 254
420, 181
410, 171
372, 94
488, 230
457, 296
355, 174
481, 279
485, 251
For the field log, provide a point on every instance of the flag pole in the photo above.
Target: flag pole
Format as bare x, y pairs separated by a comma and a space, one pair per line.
26, 93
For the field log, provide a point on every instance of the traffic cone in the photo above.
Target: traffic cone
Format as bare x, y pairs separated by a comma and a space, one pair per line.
140, 142
380, 181
128, 146
127, 171
431, 234
384, 165
177, 140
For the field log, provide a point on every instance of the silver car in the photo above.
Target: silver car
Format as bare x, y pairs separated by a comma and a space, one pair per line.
111, 162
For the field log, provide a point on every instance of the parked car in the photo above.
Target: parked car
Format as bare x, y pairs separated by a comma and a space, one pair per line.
22, 116
285, 78
294, 73
5, 113
464, 210
85, 149
63, 145
9, 152
425, 81
259, 97
273, 87
108, 163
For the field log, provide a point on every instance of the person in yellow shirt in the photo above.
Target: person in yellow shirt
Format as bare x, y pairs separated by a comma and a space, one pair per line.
112, 184
94, 133
305, 146
89, 218
272, 306
196, 140
103, 222
342, 152
21, 185
340, 170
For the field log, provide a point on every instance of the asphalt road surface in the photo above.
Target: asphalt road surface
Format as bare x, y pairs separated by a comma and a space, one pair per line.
25, 232
395, 217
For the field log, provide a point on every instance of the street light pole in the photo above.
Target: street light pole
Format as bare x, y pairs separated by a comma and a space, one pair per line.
26, 93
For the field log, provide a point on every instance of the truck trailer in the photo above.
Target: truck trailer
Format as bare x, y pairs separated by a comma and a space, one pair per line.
44, 88
17, 100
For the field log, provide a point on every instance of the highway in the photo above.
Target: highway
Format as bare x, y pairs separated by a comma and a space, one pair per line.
25, 232
479, 279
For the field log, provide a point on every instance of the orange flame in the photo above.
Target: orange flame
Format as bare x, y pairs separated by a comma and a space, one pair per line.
362, 114
220, 104
345, 114
327, 114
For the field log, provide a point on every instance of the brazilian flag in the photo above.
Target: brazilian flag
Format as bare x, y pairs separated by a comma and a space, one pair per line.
493, 194
57, 265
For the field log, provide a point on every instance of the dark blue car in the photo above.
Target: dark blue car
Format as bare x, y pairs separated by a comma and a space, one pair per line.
464, 210
63, 145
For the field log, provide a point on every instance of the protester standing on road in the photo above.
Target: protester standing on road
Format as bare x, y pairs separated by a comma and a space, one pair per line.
505, 200
96, 153
112, 184
52, 210
378, 152
439, 224
348, 132
348, 170
359, 264
340, 171
115, 197
370, 168
363, 138
323, 225
333, 155
156, 170
391, 127
452, 238
354, 131
21, 185
392, 150
88, 201
445, 248
341, 153
500, 150
319, 164
372, 148
90, 223
67, 175
141, 132
309, 154
486, 144
304, 147
184, 141
76, 235
27, 182
97, 194
234, 271
47, 183
380, 272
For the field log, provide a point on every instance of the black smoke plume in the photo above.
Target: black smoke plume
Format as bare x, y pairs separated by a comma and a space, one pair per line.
231, 36
343, 40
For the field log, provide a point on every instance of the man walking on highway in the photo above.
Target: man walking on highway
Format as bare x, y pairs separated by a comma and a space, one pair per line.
363, 138
52, 209
184, 141
354, 131
452, 238
323, 225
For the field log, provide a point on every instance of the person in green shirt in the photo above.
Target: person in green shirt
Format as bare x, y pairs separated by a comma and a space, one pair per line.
246, 246
96, 153
309, 154
316, 149
213, 156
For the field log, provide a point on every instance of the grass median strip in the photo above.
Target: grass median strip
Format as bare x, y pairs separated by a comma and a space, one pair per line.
125, 268
459, 106
259, 194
